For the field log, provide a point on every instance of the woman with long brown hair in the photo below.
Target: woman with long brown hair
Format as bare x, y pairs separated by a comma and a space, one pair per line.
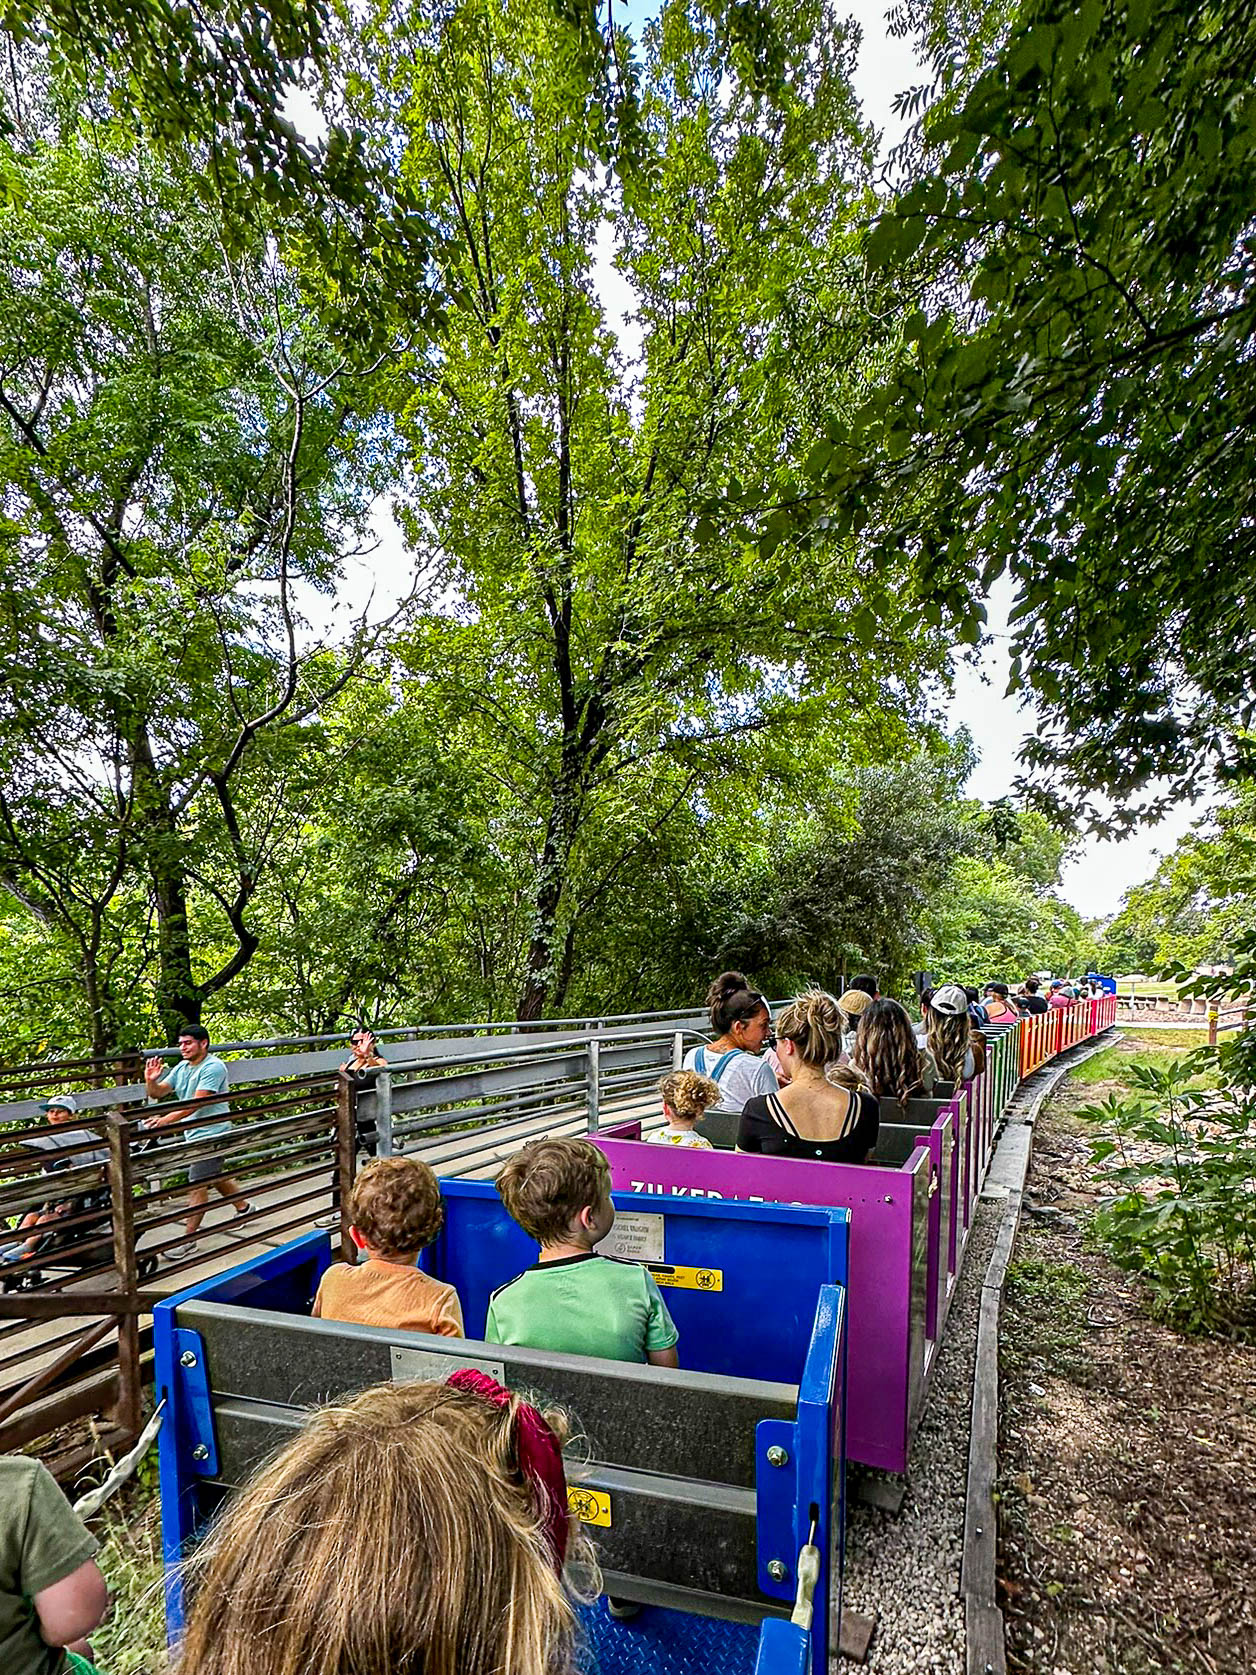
947, 1031
887, 1055
810, 1117
418, 1529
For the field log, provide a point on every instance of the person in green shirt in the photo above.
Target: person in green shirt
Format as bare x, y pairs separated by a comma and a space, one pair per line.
52, 1594
573, 1300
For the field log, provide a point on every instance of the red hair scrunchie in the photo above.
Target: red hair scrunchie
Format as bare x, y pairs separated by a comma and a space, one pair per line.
540, 1455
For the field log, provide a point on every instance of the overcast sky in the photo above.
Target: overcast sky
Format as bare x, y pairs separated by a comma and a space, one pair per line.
1095, 881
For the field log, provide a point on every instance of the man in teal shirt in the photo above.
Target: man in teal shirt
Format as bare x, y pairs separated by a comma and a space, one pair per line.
197, 1079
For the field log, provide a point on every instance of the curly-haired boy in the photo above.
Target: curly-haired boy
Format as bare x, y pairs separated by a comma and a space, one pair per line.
394, 1212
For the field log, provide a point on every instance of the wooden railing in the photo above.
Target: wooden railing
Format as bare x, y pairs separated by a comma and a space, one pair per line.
1224, 1018
74, 1335
72, 1314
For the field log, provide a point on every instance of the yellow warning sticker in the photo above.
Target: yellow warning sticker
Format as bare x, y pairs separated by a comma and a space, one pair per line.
590, 1506
687, 1279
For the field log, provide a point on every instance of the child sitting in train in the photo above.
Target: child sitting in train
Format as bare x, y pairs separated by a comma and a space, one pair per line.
413, 1526
686, 1096
395, 1211
573, 1299
52, 1594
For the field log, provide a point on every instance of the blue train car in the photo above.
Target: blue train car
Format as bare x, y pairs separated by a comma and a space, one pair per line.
715, 1493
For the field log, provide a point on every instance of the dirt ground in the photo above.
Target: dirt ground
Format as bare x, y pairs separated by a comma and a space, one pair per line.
1127, 1451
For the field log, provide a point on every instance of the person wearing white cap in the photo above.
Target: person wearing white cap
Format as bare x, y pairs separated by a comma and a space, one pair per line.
60, 1110
946, 1031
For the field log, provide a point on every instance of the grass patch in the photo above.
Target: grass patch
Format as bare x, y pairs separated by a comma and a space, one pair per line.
1182, 1040
1113, 1064
1048, 1300
133, 1640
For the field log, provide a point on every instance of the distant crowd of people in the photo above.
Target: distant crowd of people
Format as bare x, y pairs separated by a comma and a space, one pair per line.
464, 1478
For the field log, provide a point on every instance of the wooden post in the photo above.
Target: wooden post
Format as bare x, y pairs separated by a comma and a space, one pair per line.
346, 1157
127, 1411
1212, 1026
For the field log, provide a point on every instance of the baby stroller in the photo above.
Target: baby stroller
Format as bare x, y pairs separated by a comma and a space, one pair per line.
76, 1238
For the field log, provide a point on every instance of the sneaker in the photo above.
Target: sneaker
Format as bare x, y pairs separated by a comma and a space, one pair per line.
176, 1253
331, 1219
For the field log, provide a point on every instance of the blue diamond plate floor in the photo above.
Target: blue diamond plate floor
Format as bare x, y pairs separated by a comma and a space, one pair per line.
665, 1643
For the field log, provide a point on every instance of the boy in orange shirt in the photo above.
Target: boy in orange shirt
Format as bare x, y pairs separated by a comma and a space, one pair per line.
395, 1211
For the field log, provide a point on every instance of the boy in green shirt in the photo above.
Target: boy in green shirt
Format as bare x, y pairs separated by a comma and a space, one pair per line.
574, 1300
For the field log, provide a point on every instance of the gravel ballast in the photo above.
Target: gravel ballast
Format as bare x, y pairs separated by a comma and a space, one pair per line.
904, 1567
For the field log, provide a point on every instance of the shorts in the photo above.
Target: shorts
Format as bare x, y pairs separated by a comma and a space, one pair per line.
207, 1169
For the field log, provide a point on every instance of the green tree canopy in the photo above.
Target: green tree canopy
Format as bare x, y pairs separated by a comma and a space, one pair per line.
622, 662
180, 452
1075, 401
1200, 905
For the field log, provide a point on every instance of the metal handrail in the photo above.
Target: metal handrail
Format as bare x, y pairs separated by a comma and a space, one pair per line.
409, 1032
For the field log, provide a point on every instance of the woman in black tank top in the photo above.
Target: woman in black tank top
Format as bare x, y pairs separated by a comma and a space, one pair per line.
810, 1118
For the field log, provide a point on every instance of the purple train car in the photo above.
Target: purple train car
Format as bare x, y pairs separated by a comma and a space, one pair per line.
911, 1209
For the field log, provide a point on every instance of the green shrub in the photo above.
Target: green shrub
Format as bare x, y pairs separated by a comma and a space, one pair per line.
133, 1640
1182, 1161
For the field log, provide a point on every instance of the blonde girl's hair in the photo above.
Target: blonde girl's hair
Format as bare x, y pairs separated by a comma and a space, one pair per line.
687, 1094
886, 1054
947, 1038
814, 1023
396, 1535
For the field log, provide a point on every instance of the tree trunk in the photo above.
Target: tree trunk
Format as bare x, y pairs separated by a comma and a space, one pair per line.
178, 999
560, 834
558, 995
101, 1012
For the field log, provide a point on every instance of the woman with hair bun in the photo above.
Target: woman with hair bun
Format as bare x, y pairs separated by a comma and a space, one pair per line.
811, 1117
742, 1024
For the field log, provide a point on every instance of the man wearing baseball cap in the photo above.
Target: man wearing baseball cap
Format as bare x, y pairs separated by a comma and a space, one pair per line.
999, 1009
852, 1003
61, 1110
